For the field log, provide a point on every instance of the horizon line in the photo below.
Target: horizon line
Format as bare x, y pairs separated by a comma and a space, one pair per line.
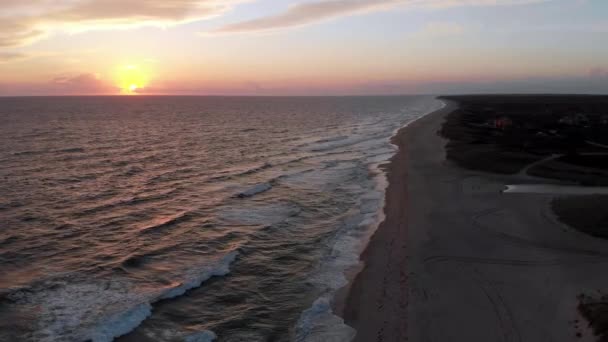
303, 95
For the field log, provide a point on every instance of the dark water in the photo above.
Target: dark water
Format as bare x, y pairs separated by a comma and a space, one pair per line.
183, 218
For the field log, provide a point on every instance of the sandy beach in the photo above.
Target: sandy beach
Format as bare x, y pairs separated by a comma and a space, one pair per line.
458, 260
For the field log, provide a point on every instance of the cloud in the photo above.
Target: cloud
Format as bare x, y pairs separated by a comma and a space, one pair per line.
315, 11
11, 56
306, 13
22, 22
598, 73
85, 83
17, 32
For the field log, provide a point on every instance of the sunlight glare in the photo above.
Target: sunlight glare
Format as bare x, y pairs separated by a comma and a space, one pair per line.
131, 79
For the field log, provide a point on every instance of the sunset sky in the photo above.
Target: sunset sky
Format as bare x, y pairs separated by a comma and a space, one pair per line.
303, 47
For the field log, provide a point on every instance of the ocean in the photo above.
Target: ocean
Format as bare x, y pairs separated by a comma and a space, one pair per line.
188, 218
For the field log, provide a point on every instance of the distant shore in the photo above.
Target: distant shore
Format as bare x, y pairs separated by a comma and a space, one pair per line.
458, 260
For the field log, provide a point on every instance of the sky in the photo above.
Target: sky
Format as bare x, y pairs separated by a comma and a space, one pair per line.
302, 47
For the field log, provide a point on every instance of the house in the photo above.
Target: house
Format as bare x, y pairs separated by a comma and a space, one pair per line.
503, 123
578, 119
566, 120
581, 120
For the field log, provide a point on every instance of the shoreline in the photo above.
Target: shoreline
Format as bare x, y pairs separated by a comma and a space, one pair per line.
339, 298
357, 301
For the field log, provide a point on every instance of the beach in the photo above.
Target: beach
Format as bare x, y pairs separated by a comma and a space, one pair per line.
458, 260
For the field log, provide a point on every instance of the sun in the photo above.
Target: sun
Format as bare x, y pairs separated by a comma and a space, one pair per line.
131, 79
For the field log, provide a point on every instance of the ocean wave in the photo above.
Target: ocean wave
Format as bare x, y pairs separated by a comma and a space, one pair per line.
330, 174
332, 145
171, 175
312, 142
107, 205
29, 153
201, 336
270, 213
254, 190
72, 310
319, 324
240, 171
8, 239
164, 222
79, 178
155, 196
71, 150
120, 324
114, 201
10, 205
194, 278
133, 170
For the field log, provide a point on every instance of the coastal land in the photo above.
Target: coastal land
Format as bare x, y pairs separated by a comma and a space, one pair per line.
458, 259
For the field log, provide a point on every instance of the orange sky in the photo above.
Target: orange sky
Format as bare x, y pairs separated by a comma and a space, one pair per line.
304, 47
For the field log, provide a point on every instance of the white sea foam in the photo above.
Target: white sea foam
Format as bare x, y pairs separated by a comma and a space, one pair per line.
319, 323
333, 175
81, 311
101, 311
121, 323
195, 277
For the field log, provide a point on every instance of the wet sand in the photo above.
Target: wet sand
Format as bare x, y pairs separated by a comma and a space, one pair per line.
457, 260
